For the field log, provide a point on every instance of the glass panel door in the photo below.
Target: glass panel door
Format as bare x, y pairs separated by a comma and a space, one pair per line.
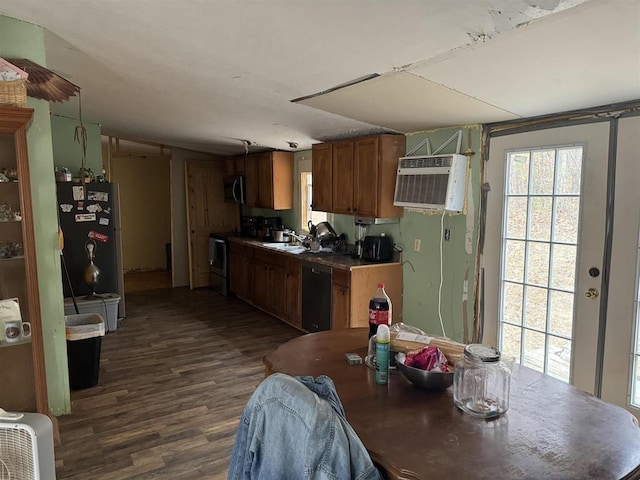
539, 250
540, 246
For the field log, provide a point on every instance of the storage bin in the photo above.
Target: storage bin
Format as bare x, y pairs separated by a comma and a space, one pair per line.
84, 334
105, 304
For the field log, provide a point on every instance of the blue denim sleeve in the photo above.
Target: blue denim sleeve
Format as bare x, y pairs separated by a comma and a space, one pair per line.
288, 432
324, 387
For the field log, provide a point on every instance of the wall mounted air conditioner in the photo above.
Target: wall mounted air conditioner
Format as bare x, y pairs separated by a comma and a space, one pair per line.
432, 182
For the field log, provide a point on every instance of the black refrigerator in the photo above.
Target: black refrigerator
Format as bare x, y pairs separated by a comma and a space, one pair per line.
89, 212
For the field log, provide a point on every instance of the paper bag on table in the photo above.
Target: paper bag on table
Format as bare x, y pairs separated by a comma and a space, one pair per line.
406, 338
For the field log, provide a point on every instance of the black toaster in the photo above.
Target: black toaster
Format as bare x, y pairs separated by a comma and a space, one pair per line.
378, 248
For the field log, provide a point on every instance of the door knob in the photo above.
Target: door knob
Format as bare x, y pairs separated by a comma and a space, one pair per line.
592, 293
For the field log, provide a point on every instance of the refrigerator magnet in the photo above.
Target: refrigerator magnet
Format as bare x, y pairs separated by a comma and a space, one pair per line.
85, 217
80, 205
66, 208
100, 237
78, 192
98, 196
103, 221
93, 208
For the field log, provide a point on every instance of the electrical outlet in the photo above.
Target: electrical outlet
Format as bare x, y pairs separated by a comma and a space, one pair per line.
416, 245
447, 234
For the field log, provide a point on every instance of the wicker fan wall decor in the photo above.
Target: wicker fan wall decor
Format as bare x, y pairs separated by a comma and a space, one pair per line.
43, 83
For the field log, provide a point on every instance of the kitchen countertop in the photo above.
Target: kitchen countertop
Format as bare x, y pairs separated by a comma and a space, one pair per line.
342, 261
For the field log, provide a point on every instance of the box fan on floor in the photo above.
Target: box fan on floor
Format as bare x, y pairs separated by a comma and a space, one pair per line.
26, 447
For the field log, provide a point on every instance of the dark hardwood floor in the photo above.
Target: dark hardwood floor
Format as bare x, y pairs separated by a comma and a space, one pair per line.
141, 281
174, 378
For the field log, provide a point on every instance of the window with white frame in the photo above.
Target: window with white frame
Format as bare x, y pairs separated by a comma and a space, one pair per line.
306, 195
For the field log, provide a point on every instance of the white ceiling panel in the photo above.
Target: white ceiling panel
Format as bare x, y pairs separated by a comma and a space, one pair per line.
207, 75
407, 103
590, 52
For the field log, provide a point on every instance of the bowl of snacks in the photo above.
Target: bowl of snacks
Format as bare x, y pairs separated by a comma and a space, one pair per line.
426, 368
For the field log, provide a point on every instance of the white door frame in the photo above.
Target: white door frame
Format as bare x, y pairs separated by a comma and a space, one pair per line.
609, 355
590, 240
622, 281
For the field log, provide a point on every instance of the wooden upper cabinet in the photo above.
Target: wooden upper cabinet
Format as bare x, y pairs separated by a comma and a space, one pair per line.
321, 170
390, 149
343, 180
366, 170
358, 176
265, 180
239, 165
229, 166
251, 180
268, 179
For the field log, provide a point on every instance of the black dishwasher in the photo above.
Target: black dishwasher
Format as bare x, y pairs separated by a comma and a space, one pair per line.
316, 297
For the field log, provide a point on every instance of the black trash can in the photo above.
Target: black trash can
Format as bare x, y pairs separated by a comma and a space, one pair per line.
84, 339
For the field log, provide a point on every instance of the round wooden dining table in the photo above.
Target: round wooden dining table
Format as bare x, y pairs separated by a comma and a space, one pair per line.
552, 430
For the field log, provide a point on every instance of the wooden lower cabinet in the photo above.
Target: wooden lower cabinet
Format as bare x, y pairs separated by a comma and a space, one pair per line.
272, 282
293, 311
278, 290
352, 290
268, 280
261, 289
341, 299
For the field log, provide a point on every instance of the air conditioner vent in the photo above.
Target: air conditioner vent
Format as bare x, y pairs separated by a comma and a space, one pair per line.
431, 182
426, 162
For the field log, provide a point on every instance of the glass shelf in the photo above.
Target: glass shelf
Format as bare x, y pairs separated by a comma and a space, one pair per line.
17, 257
22, 341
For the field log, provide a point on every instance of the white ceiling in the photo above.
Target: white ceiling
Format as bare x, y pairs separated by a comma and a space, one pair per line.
206, 75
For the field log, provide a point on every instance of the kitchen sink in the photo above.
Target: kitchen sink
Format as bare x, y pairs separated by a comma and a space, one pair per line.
285, 247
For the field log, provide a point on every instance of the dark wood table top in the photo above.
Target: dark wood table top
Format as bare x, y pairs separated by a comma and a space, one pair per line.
551, 431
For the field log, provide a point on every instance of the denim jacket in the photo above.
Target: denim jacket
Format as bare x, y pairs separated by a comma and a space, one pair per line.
295, 429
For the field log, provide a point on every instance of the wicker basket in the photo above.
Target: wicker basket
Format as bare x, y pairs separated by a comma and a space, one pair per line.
13, 93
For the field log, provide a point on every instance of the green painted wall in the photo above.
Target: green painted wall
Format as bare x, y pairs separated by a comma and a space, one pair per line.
21, 39
67, 152
422, 269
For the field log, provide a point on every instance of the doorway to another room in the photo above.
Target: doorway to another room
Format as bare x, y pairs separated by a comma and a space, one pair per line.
143, 173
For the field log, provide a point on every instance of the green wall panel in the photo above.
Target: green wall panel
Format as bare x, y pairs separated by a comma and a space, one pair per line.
422, 298
67, 152
25, 40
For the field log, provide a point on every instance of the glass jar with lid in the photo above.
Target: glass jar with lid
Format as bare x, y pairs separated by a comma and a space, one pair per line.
481, 382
